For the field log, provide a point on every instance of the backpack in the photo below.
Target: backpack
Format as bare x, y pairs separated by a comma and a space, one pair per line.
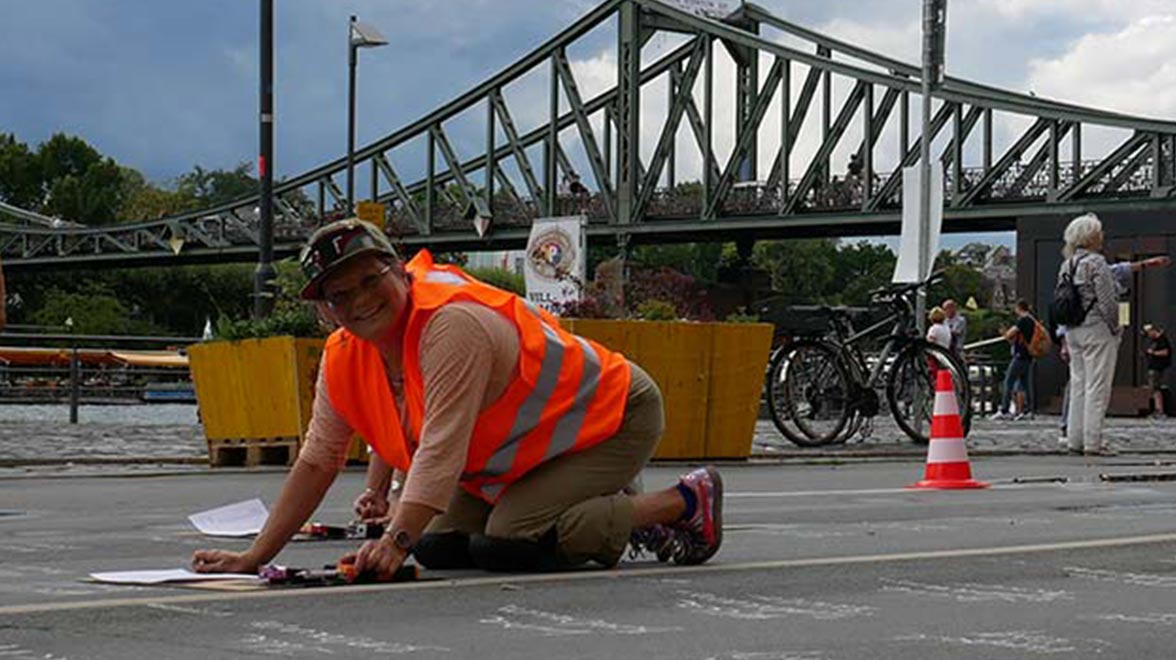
1039, 344
1067, 308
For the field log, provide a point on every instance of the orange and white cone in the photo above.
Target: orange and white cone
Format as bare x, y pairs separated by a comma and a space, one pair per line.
947, 456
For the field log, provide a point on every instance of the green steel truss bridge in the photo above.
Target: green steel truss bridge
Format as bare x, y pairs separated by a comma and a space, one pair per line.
1005, 155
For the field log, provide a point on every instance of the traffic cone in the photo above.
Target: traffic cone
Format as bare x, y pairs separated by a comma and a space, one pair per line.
947, 457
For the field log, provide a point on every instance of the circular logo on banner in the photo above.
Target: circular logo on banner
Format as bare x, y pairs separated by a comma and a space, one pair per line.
552, 254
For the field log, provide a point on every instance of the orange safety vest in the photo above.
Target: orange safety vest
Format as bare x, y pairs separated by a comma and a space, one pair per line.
568, 394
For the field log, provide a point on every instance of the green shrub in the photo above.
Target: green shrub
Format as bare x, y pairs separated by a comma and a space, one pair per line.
741, 316
656, 310
502, 278
291, 315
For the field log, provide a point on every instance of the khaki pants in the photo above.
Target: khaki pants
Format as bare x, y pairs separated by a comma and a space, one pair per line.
574, 498
1093, 353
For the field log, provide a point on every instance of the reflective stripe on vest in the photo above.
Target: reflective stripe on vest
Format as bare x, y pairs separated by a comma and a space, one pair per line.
568, 393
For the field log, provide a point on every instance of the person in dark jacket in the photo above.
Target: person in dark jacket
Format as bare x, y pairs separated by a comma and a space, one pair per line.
1159, 358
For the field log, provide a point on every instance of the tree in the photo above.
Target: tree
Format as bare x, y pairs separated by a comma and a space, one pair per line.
699, 260
92, 198
802, 271
859, 269
960, 282
143, 201
215, 187
94, 312
20, 174
65, 155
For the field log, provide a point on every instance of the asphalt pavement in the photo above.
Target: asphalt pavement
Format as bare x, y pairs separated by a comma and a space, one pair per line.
1061, 555
50, 444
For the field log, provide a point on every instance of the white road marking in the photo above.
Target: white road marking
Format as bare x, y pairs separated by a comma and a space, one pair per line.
972, 593
550, 578
761, 494
1132, 579
1025, 641
1155, 619
299, 639
769, 655
768, 607
552, 624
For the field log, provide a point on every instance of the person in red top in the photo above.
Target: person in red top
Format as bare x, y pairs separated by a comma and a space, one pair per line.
517, 440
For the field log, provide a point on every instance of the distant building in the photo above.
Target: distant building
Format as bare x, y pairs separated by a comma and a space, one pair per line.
998, 265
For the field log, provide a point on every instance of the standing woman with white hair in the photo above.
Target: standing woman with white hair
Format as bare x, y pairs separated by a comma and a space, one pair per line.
1093, 343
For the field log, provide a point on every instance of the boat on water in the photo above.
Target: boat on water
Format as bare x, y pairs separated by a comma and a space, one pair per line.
102, 376
174, 392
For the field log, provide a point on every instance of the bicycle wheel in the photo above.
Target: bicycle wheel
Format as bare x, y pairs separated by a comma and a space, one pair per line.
816, 390
775, 395
912, 379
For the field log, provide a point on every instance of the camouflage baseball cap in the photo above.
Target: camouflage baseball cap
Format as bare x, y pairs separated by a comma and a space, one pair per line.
335, 244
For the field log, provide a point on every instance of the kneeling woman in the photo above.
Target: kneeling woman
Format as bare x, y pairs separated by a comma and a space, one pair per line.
516, 438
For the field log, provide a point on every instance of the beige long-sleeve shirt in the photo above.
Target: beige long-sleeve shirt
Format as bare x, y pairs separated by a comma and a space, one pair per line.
469, 355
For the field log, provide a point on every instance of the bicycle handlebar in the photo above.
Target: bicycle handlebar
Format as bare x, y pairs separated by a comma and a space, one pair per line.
893, 292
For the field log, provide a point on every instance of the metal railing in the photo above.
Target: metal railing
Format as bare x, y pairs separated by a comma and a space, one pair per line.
53, 383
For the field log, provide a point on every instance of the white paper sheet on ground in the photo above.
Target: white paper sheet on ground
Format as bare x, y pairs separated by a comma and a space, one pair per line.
907, 267
240, 519
167, 575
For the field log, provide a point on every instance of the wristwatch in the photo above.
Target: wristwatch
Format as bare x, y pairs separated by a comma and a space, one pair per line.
401, 539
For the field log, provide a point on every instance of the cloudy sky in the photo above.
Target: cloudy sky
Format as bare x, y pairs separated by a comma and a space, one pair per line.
163, 86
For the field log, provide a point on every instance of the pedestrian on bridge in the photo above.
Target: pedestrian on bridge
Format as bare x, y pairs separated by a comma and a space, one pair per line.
516, 439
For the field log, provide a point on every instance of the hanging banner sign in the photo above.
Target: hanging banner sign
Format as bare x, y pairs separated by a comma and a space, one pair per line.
907, 267
556, 264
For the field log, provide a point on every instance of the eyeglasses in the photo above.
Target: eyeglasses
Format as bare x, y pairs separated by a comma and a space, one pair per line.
340, 299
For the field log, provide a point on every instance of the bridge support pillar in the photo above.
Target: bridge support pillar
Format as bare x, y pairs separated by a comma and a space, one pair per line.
746, 95
744, 247
628, 114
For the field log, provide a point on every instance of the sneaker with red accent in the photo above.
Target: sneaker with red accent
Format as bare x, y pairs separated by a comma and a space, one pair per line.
701, 535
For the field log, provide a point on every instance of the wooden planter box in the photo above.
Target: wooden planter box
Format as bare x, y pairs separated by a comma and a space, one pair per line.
255, 398
710, 374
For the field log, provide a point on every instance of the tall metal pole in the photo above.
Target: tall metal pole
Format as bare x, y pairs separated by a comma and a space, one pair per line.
934, 19
74, 373
351, 57
263, 296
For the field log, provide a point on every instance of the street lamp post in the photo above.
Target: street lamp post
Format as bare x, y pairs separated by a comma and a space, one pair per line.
934, 35
358, 36
265, 274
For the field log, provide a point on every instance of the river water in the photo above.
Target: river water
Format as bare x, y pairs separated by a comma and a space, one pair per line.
156, 414
43, 432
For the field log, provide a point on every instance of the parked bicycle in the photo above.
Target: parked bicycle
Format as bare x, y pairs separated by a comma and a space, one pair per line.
824, 390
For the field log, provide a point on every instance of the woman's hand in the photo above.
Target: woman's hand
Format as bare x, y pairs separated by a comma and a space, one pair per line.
371, 505
1157, 262
379, 557
223, 561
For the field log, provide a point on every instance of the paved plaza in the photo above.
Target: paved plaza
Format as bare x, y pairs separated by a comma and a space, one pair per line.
28, 443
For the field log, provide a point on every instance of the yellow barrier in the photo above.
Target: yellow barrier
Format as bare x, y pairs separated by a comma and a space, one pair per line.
258, 389
710, 375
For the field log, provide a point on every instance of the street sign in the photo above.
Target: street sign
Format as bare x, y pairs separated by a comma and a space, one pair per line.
372, 212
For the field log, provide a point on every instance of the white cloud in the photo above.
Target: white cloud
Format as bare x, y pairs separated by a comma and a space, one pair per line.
1132, 70
1086, 10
